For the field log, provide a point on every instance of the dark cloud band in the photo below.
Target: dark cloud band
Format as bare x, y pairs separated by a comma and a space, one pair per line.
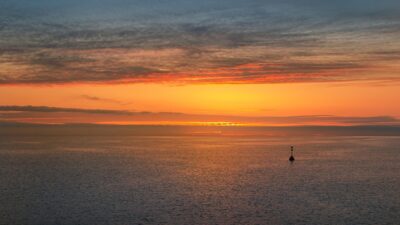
38, 113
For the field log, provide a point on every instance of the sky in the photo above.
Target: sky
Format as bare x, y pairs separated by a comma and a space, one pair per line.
236, 62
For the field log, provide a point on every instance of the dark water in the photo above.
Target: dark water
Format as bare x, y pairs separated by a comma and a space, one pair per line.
199, 180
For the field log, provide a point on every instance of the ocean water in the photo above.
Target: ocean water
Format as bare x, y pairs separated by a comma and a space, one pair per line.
199, 180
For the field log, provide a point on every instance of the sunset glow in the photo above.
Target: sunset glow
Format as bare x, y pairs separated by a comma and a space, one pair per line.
241, 63
199, 112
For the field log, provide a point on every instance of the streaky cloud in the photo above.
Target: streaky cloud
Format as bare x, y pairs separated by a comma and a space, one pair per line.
41, 114
58, 42
14, 128
48, 109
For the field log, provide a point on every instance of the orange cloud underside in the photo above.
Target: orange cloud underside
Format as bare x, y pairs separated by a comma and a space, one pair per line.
247, 100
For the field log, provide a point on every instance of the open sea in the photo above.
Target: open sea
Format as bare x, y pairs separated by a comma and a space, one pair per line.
186, 180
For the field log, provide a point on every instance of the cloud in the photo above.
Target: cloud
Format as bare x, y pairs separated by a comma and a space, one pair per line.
14, 128
107, 100
45, 114
48, 109
194, 42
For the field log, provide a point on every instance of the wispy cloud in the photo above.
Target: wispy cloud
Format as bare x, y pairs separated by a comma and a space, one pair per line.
106, 100
198, 42
45, 114
48, 109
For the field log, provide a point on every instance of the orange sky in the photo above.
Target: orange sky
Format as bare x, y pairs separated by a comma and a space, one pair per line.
242, 62
350, 99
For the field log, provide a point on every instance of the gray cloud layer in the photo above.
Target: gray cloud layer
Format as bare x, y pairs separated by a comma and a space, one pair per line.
47, 109
290, 40
19, 112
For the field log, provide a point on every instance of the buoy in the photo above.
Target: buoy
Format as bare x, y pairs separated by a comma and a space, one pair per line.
291, 158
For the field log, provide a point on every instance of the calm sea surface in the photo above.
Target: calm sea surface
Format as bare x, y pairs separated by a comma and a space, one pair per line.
199, 180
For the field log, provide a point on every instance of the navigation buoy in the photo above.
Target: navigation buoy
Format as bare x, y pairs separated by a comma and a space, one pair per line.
291, 158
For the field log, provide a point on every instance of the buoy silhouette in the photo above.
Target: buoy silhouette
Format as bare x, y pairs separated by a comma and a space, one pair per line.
291, 158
